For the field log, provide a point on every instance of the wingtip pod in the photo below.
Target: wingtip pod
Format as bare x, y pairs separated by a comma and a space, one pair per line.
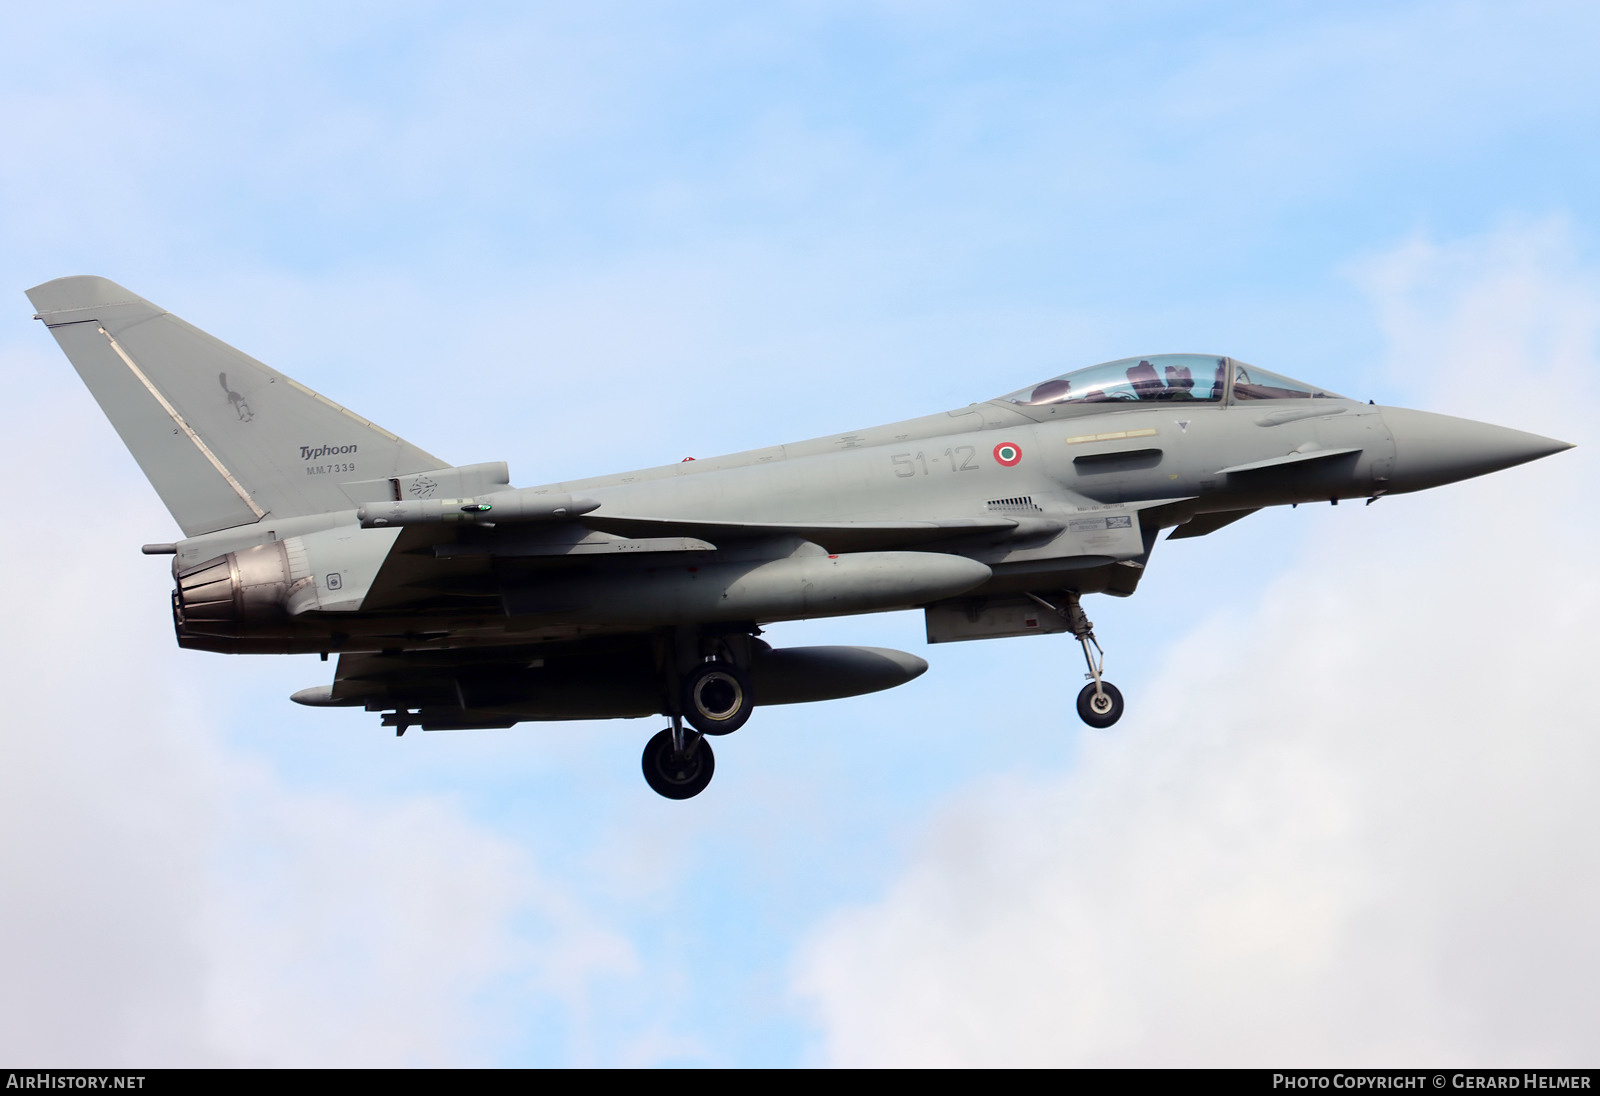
78, 293
489, 509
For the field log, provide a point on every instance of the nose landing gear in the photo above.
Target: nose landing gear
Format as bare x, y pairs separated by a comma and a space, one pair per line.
1099, 702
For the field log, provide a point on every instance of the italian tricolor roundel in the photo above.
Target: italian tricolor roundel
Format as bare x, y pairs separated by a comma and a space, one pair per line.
1008, 453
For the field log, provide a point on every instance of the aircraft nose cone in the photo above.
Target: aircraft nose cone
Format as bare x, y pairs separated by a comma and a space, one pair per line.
1432, 449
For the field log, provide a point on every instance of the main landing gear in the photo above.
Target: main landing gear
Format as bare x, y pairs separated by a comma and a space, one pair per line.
710, 690
1099, 702
677, 763
715, 698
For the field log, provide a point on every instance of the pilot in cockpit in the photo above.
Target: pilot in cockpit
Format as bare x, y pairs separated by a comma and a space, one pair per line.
1051, 391
1146, 381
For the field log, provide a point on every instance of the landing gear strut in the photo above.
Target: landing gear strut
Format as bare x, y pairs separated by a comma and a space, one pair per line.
1100, 702
678, 763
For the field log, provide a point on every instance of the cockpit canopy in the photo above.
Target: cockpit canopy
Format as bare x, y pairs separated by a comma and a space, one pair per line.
1175, 377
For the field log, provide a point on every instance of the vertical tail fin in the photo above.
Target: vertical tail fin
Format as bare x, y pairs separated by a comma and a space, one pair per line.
224, 439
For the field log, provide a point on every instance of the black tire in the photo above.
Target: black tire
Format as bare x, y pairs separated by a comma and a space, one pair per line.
678, 776
716, 698
1107, 712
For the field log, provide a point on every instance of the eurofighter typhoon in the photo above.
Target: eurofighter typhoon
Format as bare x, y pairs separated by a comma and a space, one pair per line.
454, 600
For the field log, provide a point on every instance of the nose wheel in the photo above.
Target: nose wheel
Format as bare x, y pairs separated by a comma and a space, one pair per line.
1099, 702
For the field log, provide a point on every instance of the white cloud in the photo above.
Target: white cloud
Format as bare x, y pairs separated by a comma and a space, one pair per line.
1356, 822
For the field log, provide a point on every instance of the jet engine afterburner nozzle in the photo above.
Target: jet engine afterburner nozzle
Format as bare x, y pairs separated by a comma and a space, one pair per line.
216, 597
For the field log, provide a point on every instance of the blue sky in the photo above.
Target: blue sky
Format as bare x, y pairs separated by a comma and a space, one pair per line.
584, 238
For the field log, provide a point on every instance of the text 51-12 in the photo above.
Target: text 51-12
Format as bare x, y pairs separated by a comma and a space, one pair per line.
960, 459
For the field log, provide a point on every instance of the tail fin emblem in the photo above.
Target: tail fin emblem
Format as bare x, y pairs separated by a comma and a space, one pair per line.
240, 404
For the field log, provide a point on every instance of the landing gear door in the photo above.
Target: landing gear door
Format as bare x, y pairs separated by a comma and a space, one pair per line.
990, 618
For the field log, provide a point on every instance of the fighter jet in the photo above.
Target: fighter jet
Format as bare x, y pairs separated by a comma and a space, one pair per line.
454, 600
